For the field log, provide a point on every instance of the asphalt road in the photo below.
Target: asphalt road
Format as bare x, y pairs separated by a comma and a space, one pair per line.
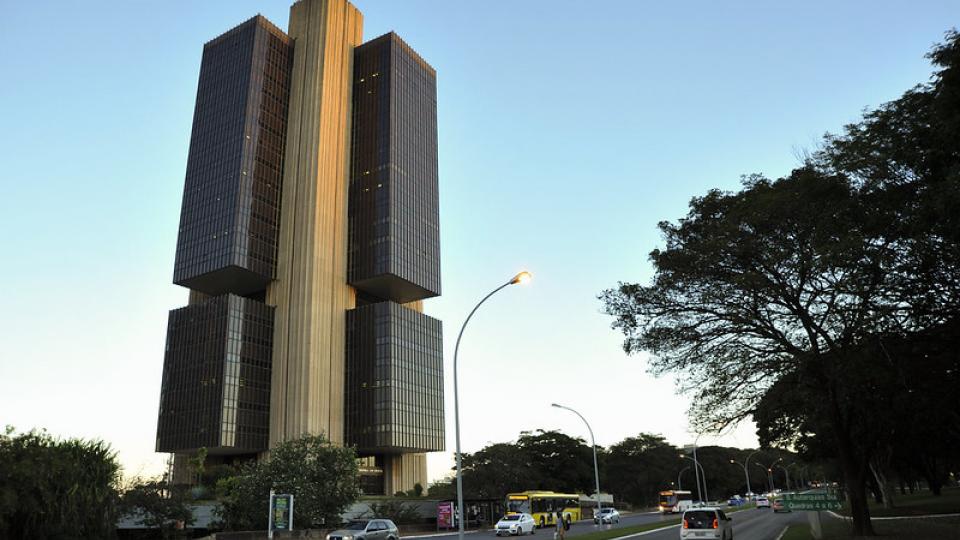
747, 525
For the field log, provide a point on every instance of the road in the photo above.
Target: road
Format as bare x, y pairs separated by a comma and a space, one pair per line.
747, 525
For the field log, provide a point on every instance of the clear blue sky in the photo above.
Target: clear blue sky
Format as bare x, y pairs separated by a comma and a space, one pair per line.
567, 131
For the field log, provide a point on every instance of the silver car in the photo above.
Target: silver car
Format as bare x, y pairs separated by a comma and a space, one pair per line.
607, 515
366, 529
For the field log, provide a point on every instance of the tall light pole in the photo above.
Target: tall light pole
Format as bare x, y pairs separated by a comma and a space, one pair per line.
769, 469
680, 485
746, 472
596, 471
787, 473
522, 277
698, 468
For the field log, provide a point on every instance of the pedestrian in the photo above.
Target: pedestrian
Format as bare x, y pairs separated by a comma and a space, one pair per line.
561, 527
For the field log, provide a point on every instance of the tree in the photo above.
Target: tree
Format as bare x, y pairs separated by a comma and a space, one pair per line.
562, 463
53, 488
793, 281
322, 477
644, 465
158, 505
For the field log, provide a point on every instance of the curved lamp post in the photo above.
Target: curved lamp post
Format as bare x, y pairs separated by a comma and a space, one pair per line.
746, 473
680, 485
787, 473
596, 471
698, 468
769, 469
522, 277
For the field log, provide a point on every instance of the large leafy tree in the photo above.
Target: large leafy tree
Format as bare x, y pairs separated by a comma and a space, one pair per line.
52, 488
322, 477
643, 466
546, 460
787, 284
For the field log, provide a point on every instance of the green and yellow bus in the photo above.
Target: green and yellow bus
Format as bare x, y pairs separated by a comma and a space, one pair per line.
544, 505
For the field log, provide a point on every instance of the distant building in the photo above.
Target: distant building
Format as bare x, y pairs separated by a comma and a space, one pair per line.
309, 236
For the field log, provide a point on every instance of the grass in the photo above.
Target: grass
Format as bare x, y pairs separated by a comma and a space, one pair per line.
800, 531
915, 504
901, 529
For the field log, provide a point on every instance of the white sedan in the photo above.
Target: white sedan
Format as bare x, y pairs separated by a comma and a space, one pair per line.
516, 524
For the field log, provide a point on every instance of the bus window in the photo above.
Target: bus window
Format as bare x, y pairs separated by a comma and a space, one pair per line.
519, 506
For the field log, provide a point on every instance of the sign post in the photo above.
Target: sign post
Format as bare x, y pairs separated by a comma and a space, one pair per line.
280, 517
813, 503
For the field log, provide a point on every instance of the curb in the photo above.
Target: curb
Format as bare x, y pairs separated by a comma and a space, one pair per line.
892, 518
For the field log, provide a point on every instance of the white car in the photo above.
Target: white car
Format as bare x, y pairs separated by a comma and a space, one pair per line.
607, 515
706, 522
516, 524
763, 502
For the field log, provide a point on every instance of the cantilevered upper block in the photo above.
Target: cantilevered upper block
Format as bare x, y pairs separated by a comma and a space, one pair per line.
230, 218
394, 247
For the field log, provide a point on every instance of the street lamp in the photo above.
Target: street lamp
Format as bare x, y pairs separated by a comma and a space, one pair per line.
746, 473
522, 277
596, 471
698, 468
679, 484
786, 472
769, 469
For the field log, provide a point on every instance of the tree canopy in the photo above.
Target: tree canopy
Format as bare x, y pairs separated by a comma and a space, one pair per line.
55, 488
785, 298
322, 477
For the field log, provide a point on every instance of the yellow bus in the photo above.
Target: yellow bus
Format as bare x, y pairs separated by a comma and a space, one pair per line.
544, 505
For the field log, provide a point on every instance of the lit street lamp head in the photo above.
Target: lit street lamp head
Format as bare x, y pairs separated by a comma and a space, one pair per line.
521, 278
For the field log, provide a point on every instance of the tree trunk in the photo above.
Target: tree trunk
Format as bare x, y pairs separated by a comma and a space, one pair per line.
854, 473
884, 486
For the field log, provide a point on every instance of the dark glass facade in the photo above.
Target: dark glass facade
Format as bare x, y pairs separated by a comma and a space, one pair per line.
229, 219
394, 238
216, 377
394, 372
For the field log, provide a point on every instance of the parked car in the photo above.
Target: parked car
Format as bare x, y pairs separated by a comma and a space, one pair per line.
706, 522
780, 506
607, 515
763, 502
366, 529
516, 524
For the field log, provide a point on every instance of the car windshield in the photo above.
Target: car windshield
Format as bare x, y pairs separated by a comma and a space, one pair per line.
356, 525
606, 510
699, 519
514, 517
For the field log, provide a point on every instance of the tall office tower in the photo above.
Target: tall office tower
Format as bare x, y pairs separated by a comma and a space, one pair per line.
394, 355
309, 235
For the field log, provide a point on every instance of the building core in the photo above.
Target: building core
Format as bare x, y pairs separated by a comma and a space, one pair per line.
309, 237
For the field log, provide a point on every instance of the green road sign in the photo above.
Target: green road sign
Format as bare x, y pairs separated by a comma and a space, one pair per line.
811, 501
